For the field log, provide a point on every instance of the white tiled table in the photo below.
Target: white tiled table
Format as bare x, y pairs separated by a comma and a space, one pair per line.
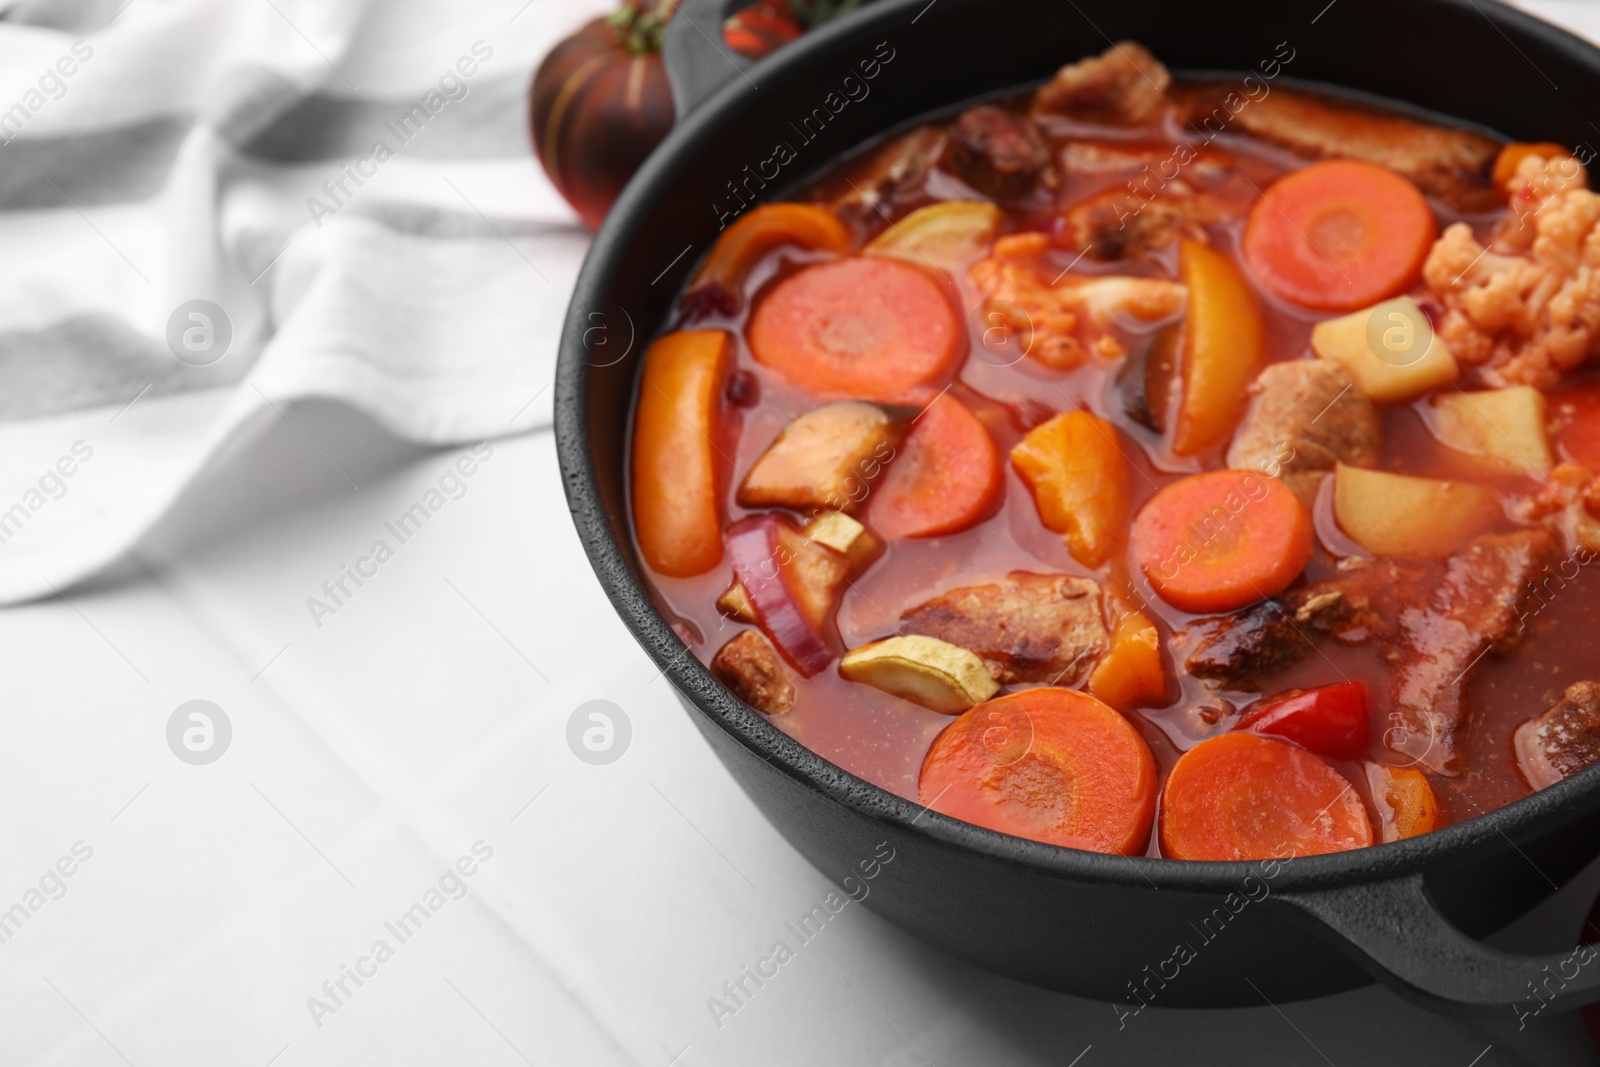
428, 714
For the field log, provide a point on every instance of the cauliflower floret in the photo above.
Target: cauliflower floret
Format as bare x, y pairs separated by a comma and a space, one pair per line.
1527, 309
1059, 323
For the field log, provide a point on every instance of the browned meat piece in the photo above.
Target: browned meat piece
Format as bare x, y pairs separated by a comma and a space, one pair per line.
1123, 86
1473, 609
1117, 224
1307, 415
1562, 741
1452, 165
898, 165
1161, 161
1241, 649
1030, 628
998, 152
750, 666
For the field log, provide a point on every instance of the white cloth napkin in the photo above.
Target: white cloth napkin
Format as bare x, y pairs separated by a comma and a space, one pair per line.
348, 186
155, 153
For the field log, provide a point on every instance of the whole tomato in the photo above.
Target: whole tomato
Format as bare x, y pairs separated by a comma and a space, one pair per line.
600, 104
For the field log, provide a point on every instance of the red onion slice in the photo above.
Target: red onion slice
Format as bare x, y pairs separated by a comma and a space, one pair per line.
753, 546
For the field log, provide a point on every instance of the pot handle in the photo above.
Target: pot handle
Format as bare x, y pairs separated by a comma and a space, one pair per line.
1394, 931
698, 60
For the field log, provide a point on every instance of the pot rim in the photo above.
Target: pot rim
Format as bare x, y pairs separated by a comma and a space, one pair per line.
1522, 820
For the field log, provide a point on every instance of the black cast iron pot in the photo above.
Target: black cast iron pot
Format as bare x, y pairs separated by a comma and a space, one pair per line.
1108, 927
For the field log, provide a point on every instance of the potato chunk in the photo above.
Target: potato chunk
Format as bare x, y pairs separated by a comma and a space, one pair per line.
846, 536
1502, 429
826, 458
1399, 515
924, 670
1389, 349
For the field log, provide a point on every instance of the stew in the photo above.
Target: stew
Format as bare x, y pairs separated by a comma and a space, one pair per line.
1152, 466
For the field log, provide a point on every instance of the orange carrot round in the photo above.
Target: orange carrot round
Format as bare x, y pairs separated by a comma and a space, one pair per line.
1339, 235
1218, 541
677, 511
945, 477
1244, 797
868, 327
1054, 765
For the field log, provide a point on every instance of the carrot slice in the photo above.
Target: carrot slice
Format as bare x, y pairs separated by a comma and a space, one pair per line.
1054, 765
945, 478
1218, 541
1339, 235
677, 511
1246, 797
868, 327
760, 230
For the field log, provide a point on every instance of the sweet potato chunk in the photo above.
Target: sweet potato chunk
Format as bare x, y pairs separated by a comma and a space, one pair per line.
1562, 741
998, 152
1030, 628
751, 668
1472, 609
1305, 416
826, 458
1123, 86
1452, 165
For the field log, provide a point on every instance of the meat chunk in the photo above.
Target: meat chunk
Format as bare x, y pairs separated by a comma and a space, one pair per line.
899, 165
1117, 224
1030, 628
998, 152
1449, 164
1474, 608
750, 667
825, 459
1241, 649
1123, 86
1306, 416
1562, 741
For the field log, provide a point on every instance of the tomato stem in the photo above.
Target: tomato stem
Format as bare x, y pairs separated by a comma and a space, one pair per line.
639, 31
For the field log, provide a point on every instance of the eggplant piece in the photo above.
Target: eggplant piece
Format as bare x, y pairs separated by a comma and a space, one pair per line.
826, 458
1145, 383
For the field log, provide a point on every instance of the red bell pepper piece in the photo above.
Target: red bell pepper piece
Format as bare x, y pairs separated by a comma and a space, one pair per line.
1331, 721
